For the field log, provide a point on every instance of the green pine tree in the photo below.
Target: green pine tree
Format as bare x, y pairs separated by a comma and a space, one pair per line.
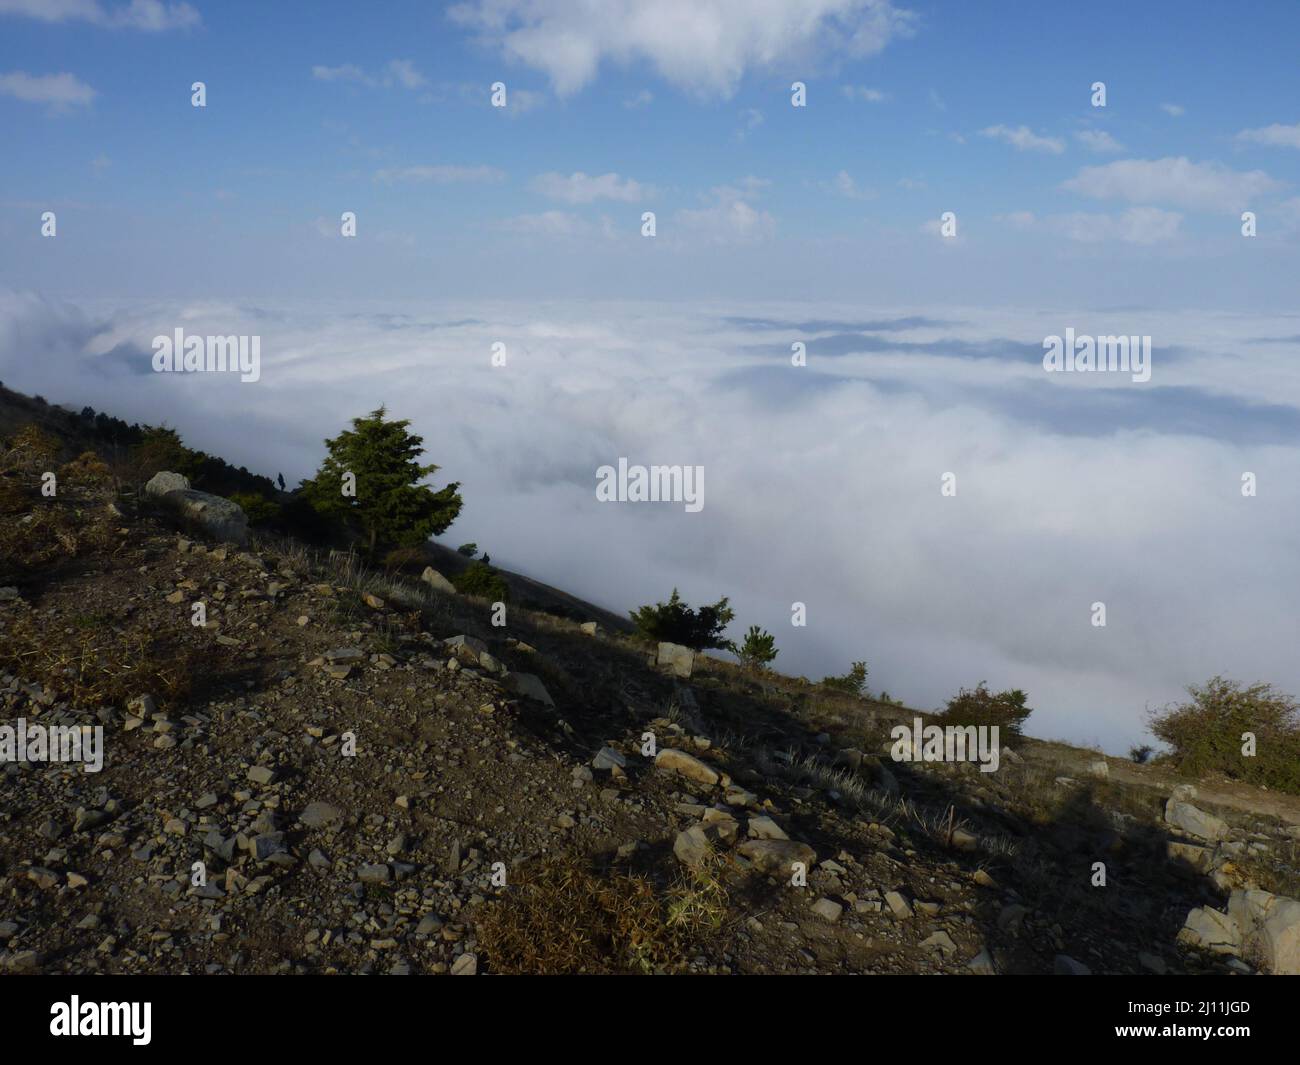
758, 648
391, 508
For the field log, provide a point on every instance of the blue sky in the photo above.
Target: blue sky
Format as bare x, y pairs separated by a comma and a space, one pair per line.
315, 109
776, 224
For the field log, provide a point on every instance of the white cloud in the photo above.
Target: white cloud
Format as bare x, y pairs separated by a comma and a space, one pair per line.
582, 188
344, 72
1177, 181
441, 175
151, 16
844, 184
404, 73
1023, 139
642, 99
401, 72
521, 101
856, 93
1137, 225
704, 46
730, 219
1177, 110
1098, 140
58, 90
1276, 136
547, 223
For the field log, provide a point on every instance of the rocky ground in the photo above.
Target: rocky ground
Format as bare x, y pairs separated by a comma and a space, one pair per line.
341, 771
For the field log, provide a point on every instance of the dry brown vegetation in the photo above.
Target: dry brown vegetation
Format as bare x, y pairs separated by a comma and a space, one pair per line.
560, 917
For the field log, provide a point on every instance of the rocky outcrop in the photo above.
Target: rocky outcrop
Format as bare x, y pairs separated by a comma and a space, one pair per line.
678, 660
437, 581
217, 517
1262, 928
1270, 929
1193, 821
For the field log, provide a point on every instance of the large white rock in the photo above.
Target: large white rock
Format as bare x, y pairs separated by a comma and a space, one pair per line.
686, 764
1270, 929
1201, 859
1211, 930
165, 481
1194, 821
220, 518
531, 687
437, 581
679, 660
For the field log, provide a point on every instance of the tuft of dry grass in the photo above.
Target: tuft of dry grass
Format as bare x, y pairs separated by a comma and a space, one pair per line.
559, 917
38, 530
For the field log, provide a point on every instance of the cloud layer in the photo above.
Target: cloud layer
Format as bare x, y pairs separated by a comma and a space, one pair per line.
703, 46
823, 481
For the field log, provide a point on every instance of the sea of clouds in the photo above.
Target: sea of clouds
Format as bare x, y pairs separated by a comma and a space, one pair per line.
822, 482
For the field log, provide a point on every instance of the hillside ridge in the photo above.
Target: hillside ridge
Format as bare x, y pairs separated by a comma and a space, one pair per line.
346, 770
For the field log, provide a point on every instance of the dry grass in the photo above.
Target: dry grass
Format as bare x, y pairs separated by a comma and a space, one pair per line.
559, 917
37, 530
104, 667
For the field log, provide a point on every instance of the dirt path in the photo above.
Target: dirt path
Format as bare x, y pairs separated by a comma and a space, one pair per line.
1225, 793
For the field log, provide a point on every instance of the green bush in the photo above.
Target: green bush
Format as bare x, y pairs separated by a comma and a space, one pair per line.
1006, 710
258, 509
482, 581
675, 622
758, 648
854, 682
1206, 733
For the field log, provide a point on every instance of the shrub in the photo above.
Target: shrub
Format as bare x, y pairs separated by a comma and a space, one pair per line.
1141, 754
675, 622
1206, 733
853, 682
758, 648
468, 550
86, 470
258, 509
1006, 710
404, 558
482, 581
160, 448
31, 451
